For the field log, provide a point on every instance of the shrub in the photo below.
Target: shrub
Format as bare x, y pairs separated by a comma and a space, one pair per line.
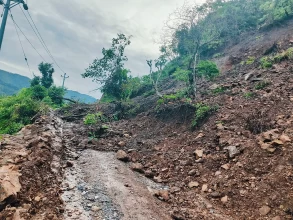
39, 92
250, 60
208, 69
56, 94
266, 62
92, 119
202, 113
220, 89
249, 95
261, 85
181, 75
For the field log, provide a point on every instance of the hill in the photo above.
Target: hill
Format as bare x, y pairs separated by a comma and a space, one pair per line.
11, 83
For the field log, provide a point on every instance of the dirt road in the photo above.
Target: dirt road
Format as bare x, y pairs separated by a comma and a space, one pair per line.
98, 186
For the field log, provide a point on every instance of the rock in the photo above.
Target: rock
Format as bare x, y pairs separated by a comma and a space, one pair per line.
69, 164
284, 138
193, 184
214, 86
96, 208
149, 174
220, 127
216, 194
138, 167
277, 142
193, 173
158, 179
264, 210
224, 199
226, 166
126, 135
122, 155
175, 189
37, 198
204, 188
162, 195
121, 144
218, 173
233, 151
248, 76
9, 182
198, 153
276, 218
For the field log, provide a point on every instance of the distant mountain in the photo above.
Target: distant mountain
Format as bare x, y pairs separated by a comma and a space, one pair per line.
11, 83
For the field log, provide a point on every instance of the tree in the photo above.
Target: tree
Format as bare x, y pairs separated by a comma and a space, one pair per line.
155, 76
47, 71
35, 81
109, 71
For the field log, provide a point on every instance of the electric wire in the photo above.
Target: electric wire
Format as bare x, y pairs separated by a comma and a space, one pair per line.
26, 37
25, 57
38, 34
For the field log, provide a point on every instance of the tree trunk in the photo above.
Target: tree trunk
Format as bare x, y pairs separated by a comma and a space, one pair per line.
194, 73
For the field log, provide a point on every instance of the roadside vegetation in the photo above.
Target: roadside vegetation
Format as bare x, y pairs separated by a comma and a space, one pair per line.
19, 110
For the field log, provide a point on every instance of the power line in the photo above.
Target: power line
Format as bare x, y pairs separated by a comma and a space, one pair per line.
38, 34
25, 57
26, 37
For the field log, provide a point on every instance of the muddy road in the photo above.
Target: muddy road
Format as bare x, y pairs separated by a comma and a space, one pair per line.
98, 186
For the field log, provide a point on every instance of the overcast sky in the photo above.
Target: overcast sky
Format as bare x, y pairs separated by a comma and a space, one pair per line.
75, 31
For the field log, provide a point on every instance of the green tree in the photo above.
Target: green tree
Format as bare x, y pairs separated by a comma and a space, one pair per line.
35, 81
47, 71
56, 94
109, 71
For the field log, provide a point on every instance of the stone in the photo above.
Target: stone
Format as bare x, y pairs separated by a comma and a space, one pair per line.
218, 173
284, 138
193, 173
193, 184
138, 167
122, 155
121, 144
162, 195
216, 194
248, 76
277, 142
233, 151
95, 208
276, 218
126, 135
226, 166
204, 188
37, 198
264, 210
149, 174
224, 199
69, 164
214, 86
198, 153
175, 189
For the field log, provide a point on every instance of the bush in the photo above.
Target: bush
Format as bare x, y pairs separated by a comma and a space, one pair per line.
208, 69
202, 113
266, 62
261, 85
39, 92
56, 94
93, 119
250, 60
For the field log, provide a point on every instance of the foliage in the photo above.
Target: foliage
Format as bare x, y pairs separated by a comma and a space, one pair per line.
250, 60
93, 119
208, 69
202, 112
249, 95
261, 85
218, 90
266, 62
56, 94
182, 75
47, 71
39, 92
109, 71
172, 97
17, 111
35, 81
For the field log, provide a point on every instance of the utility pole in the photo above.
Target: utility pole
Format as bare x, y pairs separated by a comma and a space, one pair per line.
7, 7
64, 78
